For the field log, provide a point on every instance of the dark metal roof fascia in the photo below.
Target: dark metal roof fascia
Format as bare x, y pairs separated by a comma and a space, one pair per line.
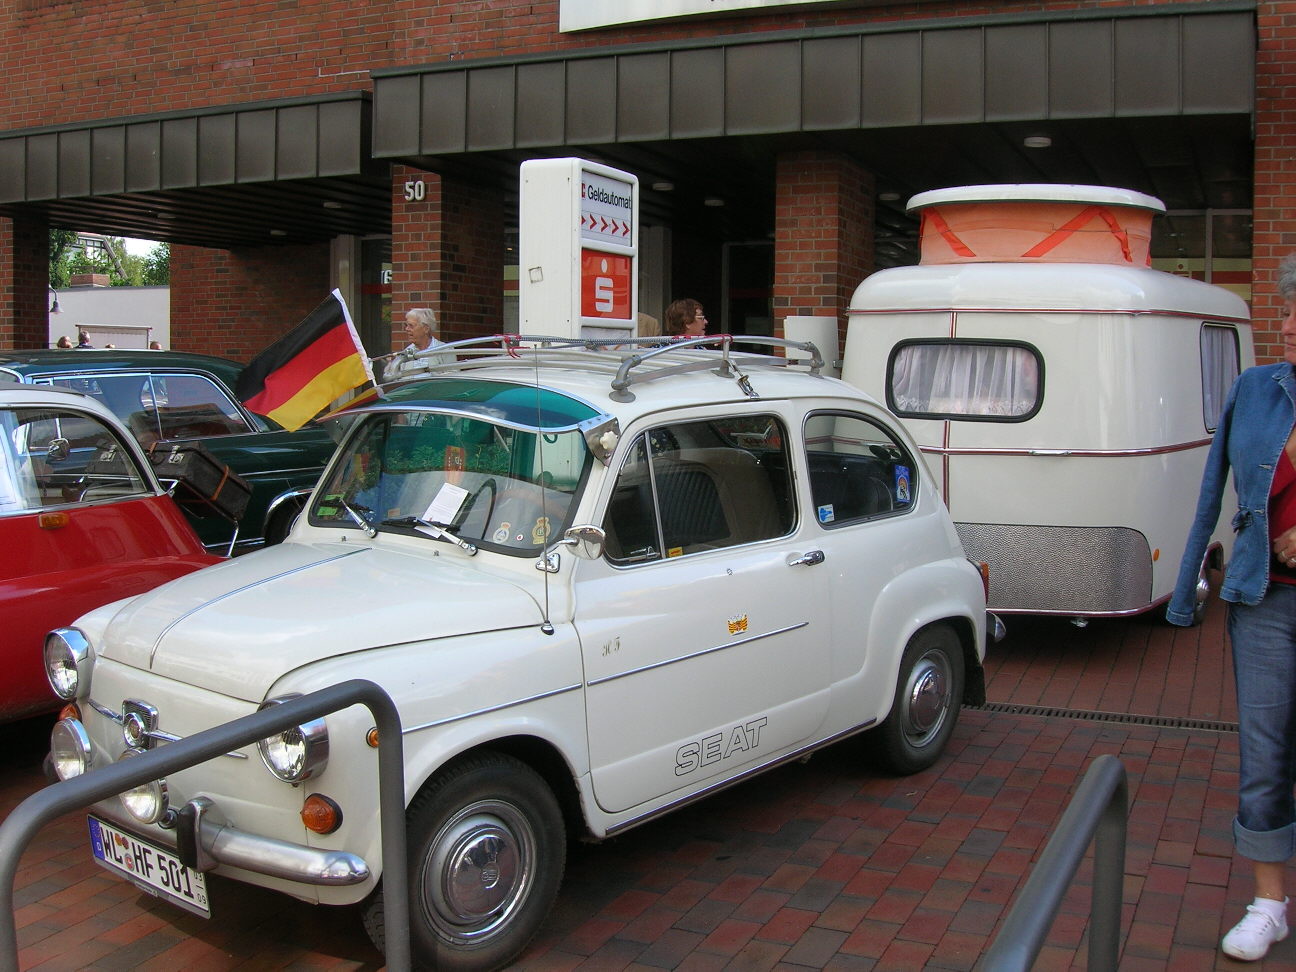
106, 157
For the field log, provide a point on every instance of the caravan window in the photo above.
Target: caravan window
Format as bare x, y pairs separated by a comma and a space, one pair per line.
1219, 366
979, 380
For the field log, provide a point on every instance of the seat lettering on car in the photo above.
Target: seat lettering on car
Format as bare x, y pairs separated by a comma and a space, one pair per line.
741, 738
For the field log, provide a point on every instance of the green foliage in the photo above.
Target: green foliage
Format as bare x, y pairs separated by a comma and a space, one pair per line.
69, 255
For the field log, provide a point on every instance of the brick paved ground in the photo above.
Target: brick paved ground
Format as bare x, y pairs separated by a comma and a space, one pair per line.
819, 865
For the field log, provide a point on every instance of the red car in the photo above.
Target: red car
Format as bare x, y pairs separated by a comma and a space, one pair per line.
83, 521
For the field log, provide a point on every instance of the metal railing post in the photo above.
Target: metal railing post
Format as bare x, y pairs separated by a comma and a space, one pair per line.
1097, 812
18, 829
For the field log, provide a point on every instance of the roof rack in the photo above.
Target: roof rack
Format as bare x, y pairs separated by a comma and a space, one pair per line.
620, 357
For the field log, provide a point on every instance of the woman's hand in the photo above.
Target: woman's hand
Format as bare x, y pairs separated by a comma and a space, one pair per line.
1284, 547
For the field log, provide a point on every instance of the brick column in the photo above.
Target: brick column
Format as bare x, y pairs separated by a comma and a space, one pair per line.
823, 235
447, 254
236, 303
24, 277
1274, 204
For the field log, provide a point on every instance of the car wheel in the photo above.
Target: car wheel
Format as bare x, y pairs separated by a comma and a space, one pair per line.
280, 524
928, 696
487, 849
1201, 592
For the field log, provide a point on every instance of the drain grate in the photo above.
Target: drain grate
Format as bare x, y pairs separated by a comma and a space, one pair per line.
1120, 717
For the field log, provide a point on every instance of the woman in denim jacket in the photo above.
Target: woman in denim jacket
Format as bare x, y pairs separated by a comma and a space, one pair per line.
1255, 438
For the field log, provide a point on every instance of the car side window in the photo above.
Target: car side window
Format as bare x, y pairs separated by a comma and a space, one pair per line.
157, 407
695, 486
53, 458
858, 469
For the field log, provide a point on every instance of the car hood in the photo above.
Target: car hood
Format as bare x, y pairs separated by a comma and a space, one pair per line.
237, 627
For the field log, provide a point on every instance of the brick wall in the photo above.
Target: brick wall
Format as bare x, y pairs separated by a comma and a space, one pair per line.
235, 303
1274, 224
823, 235
447, 254
115, 58
24, 273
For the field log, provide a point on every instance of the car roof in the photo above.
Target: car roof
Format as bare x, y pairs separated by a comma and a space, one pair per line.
54, 361
612, 383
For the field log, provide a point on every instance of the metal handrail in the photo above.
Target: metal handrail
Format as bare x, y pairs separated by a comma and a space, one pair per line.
17, 831
1096, 813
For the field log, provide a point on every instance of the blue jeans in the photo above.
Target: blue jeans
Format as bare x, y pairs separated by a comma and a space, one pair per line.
1264, 663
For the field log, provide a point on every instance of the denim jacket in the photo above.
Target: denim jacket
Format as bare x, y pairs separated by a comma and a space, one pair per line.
1257, 419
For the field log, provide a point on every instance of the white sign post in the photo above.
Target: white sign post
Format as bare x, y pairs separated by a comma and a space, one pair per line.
578, 266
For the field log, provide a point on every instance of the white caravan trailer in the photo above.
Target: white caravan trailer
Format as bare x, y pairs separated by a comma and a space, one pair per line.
1064, 394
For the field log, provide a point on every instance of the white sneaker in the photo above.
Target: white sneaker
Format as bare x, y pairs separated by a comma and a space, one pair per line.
1251, 937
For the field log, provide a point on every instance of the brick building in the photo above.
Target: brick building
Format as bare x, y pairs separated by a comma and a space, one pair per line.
285, 148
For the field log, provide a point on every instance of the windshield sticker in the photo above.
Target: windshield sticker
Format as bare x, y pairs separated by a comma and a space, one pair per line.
826, 514
541, 530
902, 484
445, 507
675, 552
502, 534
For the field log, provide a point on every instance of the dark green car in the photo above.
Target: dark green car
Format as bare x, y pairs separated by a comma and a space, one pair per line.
173, 396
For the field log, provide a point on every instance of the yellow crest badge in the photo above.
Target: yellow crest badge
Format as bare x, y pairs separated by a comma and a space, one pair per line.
738, 625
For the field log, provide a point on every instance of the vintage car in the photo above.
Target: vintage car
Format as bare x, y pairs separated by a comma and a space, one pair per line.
597, 585
83, 521
170, 397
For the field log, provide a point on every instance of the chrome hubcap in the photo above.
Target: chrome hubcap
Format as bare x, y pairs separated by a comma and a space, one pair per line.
927, 700
479, 871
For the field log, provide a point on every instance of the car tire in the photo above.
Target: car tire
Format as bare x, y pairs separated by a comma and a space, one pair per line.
928, 697
487, 848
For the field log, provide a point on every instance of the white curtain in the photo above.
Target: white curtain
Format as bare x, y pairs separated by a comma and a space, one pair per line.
950, 378
1219, 356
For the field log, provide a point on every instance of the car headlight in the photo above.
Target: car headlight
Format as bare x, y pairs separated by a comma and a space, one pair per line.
147, 802
298, 753
69, 748
68, 658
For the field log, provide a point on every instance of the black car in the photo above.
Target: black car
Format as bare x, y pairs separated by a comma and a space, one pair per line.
172, 397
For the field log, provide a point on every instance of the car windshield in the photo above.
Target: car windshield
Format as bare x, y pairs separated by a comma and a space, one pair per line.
487, 483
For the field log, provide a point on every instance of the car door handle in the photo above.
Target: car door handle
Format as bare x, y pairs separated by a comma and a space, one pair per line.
807, 559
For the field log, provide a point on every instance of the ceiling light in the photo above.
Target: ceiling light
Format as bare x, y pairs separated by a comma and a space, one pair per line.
1037, 141
713, 201
663, 186
888, 196
278, 232
331, 204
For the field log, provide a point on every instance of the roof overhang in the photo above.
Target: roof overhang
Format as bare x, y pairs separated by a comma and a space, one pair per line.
241, 175
1158, 99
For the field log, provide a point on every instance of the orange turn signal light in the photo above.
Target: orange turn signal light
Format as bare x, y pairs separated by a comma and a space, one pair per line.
320, 814
70, 711
371, 737
52, 521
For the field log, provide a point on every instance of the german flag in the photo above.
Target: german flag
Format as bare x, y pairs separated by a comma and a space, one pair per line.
318, 363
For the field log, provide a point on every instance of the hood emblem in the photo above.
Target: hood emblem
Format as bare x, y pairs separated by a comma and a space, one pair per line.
139, 719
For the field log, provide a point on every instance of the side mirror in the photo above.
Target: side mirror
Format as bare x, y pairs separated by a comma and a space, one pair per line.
587, 541
58, 450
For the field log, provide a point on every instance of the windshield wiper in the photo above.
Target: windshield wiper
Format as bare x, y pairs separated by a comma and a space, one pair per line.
438, 530
360, 521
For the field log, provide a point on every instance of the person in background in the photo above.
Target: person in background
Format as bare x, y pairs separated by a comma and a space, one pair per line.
420, 329
83, 340
1256, 439
685, 319
646, 325
64, 342
155, 345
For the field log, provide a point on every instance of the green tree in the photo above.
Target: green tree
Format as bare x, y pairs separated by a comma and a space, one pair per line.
157, 266
72, 252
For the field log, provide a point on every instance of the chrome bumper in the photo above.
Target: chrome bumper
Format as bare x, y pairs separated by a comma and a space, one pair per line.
205, 839
995, 629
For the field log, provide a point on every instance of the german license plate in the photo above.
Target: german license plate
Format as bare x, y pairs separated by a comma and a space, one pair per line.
149, 867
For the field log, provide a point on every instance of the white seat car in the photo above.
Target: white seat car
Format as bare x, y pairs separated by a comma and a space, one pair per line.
597, 584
